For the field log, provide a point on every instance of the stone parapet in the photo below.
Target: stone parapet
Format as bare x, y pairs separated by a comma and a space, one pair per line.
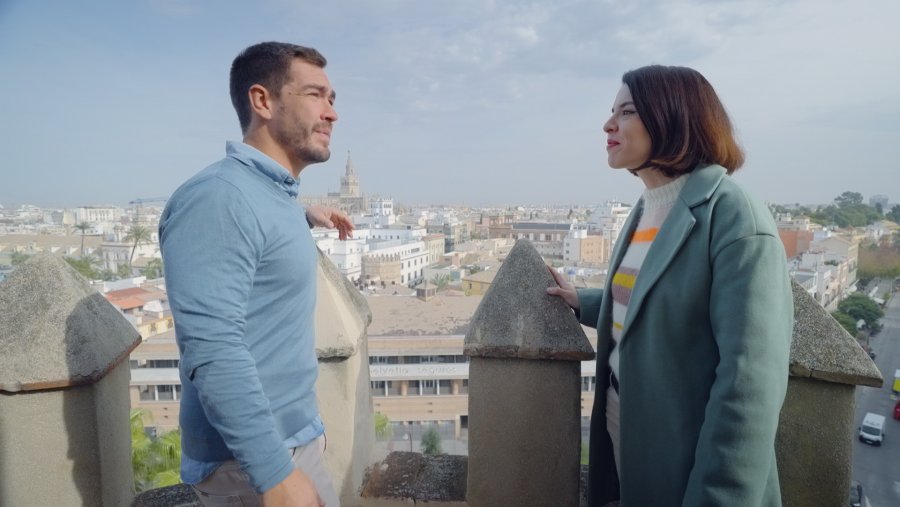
64, 405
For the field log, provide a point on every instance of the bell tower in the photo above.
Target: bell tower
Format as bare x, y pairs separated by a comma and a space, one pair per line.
349, 181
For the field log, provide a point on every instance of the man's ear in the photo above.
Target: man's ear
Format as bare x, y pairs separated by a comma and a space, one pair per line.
261, 102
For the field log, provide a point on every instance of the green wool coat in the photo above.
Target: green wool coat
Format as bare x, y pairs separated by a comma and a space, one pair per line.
703, 356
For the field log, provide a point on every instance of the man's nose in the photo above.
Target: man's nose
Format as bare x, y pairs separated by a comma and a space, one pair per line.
330, 114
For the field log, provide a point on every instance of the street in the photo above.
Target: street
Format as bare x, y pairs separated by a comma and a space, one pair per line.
878, 468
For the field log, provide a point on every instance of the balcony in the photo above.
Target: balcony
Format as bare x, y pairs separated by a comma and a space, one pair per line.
64, 403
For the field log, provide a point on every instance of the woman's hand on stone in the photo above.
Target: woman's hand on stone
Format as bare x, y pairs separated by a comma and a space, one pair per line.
565, 290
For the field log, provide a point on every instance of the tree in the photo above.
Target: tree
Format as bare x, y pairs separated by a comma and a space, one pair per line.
154, 269
585, 453
879, 262
879, 208
431, 442
138, 235
474, 269
155, 462
383, 428
109, 275
860, 307
83, 227
441, 281
846, 321
18, 258
124, 271
848, 198
894, 215
85, 267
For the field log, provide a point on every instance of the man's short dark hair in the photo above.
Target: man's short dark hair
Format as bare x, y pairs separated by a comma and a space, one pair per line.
267, 64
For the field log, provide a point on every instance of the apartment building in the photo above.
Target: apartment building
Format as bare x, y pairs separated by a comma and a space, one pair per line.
419, 374
608, 220
98, 214
580, 246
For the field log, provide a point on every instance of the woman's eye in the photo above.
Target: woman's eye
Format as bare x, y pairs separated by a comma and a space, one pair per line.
627, 111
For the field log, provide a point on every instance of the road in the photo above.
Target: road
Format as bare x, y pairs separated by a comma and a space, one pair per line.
878, 468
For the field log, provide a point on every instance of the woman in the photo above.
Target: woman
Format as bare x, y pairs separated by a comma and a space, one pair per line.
694, 325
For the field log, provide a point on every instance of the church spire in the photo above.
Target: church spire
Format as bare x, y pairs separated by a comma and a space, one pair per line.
349, 164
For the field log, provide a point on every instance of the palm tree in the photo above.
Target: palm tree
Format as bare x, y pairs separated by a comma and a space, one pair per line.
89, 260
139, 235
441, 281
383, 428
83, 227
155, 461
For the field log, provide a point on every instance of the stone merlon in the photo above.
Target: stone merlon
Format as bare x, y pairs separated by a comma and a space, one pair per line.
47, 307
823, 350
517, 318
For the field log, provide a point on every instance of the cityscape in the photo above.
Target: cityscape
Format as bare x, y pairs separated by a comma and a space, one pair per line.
424, 269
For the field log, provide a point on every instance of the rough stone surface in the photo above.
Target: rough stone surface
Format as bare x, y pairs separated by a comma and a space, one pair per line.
54, 328
824, 350
181, 495
395, 477
342, 313
517, 318
814, 444
63, 447
524, 433
442, 479
343, 385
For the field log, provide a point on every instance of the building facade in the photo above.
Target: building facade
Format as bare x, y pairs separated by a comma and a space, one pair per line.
349, 199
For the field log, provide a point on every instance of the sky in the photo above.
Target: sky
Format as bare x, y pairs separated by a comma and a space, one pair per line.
487, 102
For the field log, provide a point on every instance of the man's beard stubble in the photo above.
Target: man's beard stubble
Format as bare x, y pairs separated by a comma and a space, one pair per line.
297, 138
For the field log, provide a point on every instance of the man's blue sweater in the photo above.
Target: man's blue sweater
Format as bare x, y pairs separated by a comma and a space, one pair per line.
241, 278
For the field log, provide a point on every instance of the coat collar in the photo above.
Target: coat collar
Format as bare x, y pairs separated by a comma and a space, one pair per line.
698, 189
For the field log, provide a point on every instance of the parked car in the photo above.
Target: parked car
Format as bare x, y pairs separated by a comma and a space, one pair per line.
856, 494
872, 429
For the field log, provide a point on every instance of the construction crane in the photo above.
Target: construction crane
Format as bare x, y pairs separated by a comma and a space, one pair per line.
139, 205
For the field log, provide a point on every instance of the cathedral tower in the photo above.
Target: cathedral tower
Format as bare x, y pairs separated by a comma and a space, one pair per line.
349, 181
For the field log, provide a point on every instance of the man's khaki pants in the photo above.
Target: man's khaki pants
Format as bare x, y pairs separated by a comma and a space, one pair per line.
230, 486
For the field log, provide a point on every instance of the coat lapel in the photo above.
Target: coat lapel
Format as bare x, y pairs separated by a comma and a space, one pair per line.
674, 231
668, 241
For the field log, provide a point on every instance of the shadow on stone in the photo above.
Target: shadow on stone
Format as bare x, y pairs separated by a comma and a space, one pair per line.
65, 361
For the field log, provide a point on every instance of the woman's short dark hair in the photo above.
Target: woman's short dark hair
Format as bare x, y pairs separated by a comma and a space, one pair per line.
267, 64
687, 123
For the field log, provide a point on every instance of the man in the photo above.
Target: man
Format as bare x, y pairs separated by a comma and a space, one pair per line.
241, 277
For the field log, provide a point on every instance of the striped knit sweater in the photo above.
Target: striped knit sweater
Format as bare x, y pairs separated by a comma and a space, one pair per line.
657, 204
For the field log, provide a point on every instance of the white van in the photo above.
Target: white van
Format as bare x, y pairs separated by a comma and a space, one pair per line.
872, 430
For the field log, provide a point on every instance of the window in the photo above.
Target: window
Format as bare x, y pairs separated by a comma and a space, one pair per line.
162, 363
165, 393
588, 384
445, 387
470, 285
393, 388
382, 360
464, 388
429, 387
431, 359
378, 388
147, 393
413, 389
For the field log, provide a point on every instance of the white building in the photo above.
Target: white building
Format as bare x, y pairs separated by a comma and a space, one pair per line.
609, 219
98, 214
381, 207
